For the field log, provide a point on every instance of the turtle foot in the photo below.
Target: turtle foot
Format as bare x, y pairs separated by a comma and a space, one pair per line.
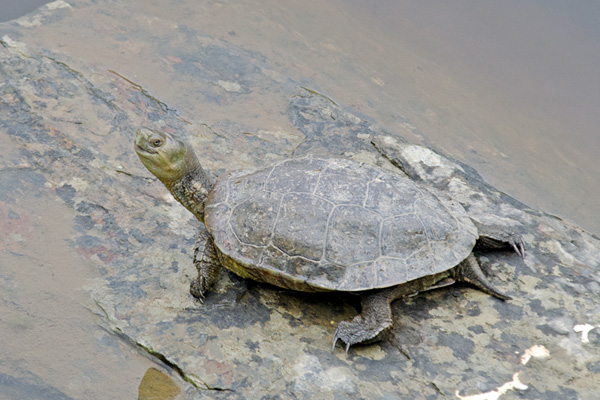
197, 290
501, 239
359, 330
470, 271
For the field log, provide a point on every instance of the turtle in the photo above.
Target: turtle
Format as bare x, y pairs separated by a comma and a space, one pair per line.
325, 224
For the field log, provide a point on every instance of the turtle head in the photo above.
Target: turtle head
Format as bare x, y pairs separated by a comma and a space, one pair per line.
168, 158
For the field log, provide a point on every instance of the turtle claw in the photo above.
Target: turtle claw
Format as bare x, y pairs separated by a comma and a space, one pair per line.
518, 244
359, 330
196, 290
336, 338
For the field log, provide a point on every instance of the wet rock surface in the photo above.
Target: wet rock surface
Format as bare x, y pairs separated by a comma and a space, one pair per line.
70, 130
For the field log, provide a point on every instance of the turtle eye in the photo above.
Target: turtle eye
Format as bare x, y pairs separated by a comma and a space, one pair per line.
156, 142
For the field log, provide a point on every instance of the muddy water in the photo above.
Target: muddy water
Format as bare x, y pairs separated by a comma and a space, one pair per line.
509, 90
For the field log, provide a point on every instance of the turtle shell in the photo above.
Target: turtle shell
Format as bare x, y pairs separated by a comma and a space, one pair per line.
316, 224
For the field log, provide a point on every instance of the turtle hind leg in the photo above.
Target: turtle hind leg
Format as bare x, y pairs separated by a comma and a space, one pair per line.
207, 264
470, 271
375, 319
499, 239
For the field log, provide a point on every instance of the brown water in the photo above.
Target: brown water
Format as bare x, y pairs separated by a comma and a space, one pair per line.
510, 88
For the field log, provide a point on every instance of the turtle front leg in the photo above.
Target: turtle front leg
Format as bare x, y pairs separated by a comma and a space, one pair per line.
207, 264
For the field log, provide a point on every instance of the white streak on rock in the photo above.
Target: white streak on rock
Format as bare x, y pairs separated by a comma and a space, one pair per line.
536, 351
515, 384
584, 329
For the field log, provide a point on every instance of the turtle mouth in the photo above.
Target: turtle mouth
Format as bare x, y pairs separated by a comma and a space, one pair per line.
142, 142
141, 149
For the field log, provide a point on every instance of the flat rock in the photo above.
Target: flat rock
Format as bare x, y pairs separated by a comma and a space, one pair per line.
72, 126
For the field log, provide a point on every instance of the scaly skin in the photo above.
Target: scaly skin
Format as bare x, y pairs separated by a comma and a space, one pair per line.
175, 164
207, 263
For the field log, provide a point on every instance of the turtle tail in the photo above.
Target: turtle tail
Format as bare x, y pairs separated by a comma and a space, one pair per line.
470, 271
